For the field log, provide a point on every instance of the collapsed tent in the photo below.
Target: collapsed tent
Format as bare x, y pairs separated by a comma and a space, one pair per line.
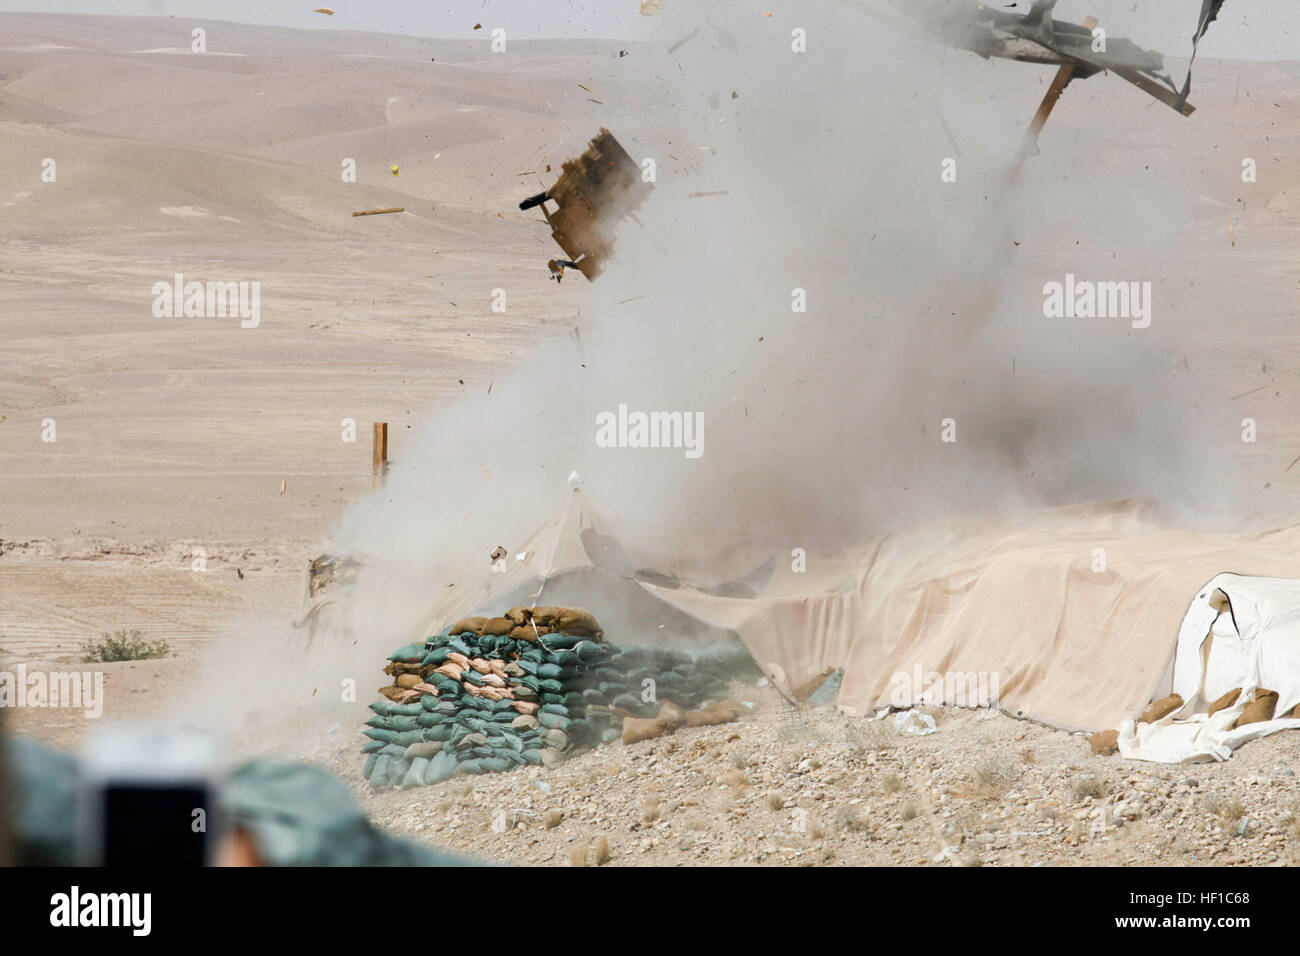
1072, 614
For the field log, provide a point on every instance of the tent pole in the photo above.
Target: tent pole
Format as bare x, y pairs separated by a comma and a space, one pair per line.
1063, 77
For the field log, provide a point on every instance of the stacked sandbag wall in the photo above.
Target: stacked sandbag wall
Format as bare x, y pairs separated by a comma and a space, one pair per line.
492, 694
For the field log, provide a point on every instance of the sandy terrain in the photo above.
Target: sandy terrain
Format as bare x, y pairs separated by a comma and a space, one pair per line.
176, 434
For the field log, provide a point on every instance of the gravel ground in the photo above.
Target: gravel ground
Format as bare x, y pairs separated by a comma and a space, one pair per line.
816, 788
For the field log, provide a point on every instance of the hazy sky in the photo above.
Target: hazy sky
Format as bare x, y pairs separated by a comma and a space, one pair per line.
1247, 29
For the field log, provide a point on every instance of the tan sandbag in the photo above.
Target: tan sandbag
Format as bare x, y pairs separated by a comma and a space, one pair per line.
526, 707
524, 632
498, 627
1161, 708
480, 665
498, 667
577, 621
392, 693
1104, 742
474, 624
518, 615
636, 729
407, 681
459, 659
524, 722
719, 712
670, 715
494, 680
1226, 701
449, 670
545, 616
408, 697
1258, 710
397, 668
474, 690
424, 688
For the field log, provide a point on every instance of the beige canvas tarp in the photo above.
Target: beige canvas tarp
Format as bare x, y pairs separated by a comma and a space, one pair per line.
1075, 612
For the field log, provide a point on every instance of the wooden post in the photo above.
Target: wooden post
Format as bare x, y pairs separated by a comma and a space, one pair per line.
1063, 77
379, 458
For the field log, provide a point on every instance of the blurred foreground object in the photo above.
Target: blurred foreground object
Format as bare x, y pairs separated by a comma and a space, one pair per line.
279, 814
594, 193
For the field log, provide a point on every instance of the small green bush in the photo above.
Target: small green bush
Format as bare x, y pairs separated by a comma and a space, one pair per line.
123, 646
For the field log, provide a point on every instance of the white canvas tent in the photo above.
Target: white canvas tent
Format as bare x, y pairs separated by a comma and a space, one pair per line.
1075, 612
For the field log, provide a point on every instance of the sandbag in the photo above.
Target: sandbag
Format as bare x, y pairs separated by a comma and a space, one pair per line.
499, 626
1226, 701
472, 625
1258, 710
411, 653
1160, 708
1104, 742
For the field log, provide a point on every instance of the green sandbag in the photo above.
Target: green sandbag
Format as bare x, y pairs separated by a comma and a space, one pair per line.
440, 768
474, 677
534, 655
387, 708
594, 697
627, 702
460, 647
565, 658
398, 724
369, 768
550, 671
415, 773
495, 764
430, 720
545, 699
610, 734
553, 721
396, 772
437, 656
528, 667
393, 750
532, 683
381, 733
379, 770
511, 758
554, 686
513, 742
373, 746
561, 642
441, 732
411, 653
446, 686
589, 651
574, 700
558, 709
470, 766
499, 706
408, 737
532, 755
